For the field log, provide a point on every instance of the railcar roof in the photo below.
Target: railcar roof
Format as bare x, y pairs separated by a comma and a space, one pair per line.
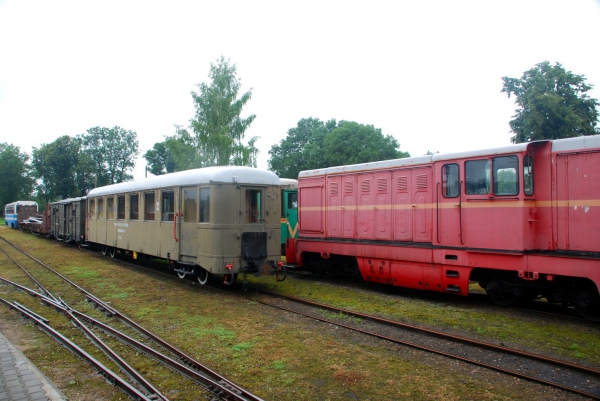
68, 200
23, 203
206, 175
558, 145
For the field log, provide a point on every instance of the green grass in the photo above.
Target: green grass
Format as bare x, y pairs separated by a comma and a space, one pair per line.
492, 324
276, 355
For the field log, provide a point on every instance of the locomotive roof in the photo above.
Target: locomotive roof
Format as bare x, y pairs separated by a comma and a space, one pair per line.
289, 183
580, 142
558, 145
206, 175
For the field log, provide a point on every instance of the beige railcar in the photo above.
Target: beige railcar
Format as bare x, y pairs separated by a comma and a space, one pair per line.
214, 220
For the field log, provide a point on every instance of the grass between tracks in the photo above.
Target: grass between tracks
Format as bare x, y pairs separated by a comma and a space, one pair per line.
273, 354
574, 340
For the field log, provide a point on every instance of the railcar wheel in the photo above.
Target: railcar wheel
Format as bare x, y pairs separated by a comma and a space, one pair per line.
498, 296
104, 250
587, 304
202, 276
113, 252
181, 275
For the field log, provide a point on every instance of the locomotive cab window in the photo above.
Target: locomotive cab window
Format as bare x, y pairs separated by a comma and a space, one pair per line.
149, 206
121, 207
290, 199
92, 209
477, 177
506, 177
450, 184
168, 206
253, 205
528, 175
134, 207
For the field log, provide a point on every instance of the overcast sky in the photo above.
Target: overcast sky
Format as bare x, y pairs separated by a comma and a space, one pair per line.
427, 72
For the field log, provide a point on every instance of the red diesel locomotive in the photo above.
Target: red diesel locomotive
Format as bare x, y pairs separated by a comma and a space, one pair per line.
523, 221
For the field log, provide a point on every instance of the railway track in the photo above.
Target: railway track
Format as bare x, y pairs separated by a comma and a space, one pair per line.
174, 359
575, 379
564, 375
475, 298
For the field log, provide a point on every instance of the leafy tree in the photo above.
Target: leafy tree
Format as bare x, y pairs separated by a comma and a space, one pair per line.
552, 103
352, 143
160, 159
54, 166
112, 151
314, 144
15, 183
217, 126
302, 149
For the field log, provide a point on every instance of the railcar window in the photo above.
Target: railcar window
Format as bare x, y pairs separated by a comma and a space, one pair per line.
149, 206
110, 208
190, 205
450, 184
121, 207
204, 205
528, 175
92, 209
253, 205
477, 177
168, 206
134, 207
506, 177
100, 208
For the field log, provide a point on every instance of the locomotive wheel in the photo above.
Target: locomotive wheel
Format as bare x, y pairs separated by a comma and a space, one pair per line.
113, 252
587, 304
202, 276
498, 296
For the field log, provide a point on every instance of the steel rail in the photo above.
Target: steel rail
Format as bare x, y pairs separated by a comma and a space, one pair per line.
151, 391
224, 383
111, 377
40, 286
222, 390
434, 351
441, 334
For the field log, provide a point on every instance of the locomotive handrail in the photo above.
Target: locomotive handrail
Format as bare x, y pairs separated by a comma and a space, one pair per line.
437, 212
460, 211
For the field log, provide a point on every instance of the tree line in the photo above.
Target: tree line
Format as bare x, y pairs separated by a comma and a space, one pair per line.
552, 103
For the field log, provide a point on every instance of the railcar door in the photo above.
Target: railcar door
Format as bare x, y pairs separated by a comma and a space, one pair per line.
189, 221
448, 205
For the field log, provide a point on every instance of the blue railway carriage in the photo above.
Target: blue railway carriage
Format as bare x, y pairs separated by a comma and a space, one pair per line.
19, 211
214, 220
